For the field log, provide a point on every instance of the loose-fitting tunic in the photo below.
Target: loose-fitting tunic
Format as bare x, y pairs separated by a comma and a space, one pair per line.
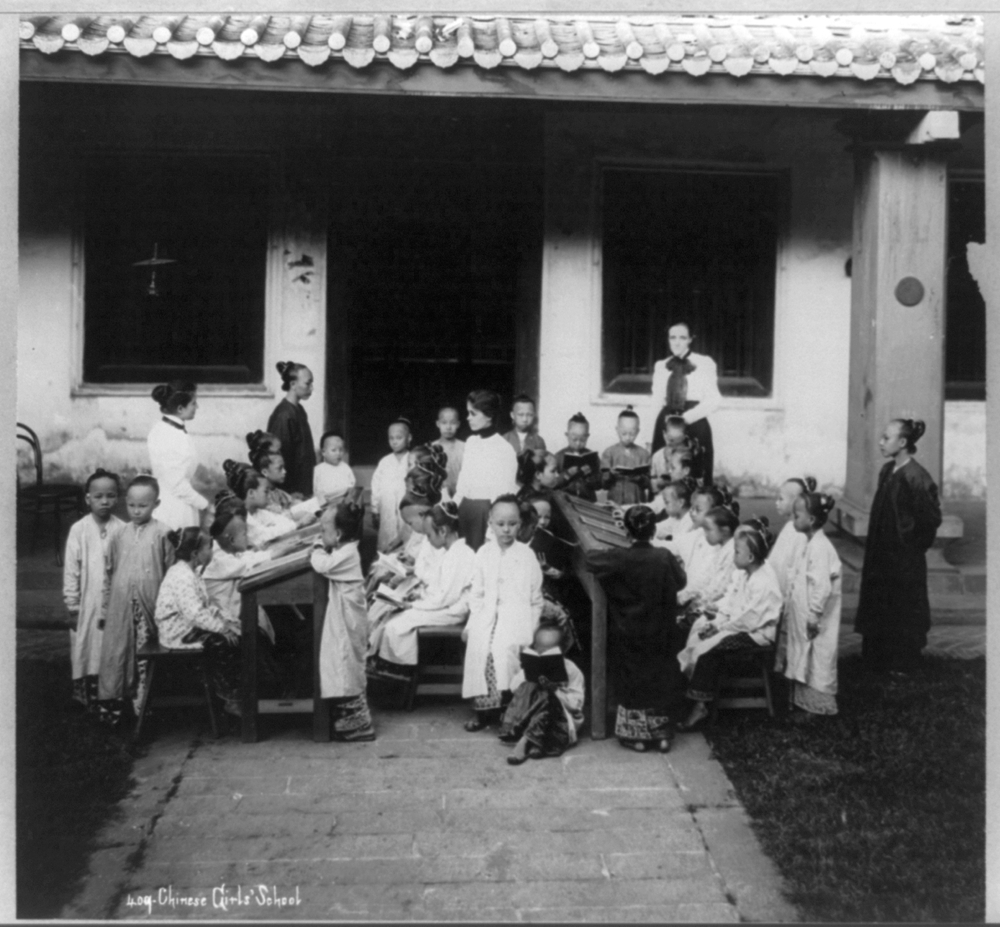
345, 626
905, 516
290, 425
86, 587
264, 526
814, 593
641, 584
388, 489
505, 605
583, 485
550, 721
140, 556
784, 556
625, 490
173, 461
332, 480
222, 579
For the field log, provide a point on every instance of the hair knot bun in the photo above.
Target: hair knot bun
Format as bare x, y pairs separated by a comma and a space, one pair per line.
640, 522
162, 393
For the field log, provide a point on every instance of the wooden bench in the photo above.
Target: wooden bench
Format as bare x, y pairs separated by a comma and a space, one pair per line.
739, 685
447, 670
151, 654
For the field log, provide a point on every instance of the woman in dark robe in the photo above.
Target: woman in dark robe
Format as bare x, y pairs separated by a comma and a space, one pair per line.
290, 425
641, 584
894, 613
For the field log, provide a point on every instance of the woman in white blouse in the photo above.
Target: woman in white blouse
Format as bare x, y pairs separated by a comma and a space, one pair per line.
172, 457
489, 467
686, 384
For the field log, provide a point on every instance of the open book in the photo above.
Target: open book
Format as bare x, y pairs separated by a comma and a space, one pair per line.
551, 665
399, 595
392, 563
589, 459
631, 472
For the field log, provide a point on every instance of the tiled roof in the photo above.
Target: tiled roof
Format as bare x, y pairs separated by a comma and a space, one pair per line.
902, 48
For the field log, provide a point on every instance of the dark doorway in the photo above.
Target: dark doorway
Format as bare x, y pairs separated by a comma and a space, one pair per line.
435, 266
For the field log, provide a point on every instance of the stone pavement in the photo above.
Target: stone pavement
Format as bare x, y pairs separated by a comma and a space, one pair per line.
428, 823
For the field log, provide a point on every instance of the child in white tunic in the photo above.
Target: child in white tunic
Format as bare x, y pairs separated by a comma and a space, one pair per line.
332, 477
675, 503
812, 611
790, 543
344, 637
505, 606
389, 487
87, 582
251, 489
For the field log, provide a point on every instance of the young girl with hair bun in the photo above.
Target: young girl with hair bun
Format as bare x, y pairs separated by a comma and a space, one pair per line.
290, 425
271, 465
790, 543
812, 612
746, 619
894, 611
172, 456
251, 489
262, 439
344, 638
641, 584
489, 467
443, 602
389, 486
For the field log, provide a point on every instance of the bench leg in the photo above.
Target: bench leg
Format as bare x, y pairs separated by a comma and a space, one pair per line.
144, 701
767, 687
210, 701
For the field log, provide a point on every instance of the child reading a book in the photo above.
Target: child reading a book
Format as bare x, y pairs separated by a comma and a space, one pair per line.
505, 605
546, 710
332, 477
344, 638
579, 468
625, 465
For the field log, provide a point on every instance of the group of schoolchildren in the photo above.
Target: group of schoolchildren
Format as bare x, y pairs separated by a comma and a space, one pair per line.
465, 539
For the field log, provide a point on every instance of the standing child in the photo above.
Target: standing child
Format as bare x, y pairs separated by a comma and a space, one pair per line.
332, 477
523, 436
625, 465
448, 422
505, 605
389, 485
641, 584
894, 613
544, 715
790, 543
579, 468
140, 555
489, 467
344, 637
86, 582
812, 614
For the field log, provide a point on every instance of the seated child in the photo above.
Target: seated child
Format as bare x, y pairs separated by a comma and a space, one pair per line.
543, 717
344, 638
626, 488
271, 466
448, 422
747, 619
523, 436
676, 502
444, 600
504, 608
187, 619
537, 474
332, 477
708, 556
250, 488
86, 578
139, 556
583, 479
389, 486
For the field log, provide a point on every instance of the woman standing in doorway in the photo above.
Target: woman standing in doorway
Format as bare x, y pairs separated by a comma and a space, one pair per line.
290, 425
686, 384
172, 457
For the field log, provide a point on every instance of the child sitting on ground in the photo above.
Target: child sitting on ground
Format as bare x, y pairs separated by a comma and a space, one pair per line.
544, 715
448, 422
523, 436
332, 477
344, 637
86, 580
389, 486
579, 477
140, 556
625, 465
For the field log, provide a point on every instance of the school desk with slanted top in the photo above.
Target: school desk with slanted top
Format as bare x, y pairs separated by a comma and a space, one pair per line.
289, 580
592, 527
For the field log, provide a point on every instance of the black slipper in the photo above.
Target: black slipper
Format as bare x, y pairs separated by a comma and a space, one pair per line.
638, 745
516, 760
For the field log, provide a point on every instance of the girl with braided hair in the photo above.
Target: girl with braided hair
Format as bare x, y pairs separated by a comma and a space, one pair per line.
894, 613
812, 611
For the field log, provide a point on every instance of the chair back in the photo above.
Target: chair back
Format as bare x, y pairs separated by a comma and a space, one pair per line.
24, 433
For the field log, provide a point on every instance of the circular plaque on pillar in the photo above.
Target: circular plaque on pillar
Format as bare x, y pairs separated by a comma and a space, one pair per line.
909, 291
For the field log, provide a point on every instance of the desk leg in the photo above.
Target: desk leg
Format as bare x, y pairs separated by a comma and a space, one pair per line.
248, 640
598, 661
321, 706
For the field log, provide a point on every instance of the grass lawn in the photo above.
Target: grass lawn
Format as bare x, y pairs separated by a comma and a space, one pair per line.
70, 775
879, 813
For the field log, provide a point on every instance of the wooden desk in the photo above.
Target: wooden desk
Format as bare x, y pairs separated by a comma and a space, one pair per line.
300, 586
572, 526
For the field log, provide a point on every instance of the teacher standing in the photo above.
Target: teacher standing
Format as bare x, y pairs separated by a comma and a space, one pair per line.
172, 457
687, 384
290, 425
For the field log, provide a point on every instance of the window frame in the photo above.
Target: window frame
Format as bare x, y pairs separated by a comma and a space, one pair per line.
85, 157
772, 401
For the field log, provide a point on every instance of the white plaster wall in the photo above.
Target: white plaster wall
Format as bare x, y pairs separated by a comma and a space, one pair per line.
964, 450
